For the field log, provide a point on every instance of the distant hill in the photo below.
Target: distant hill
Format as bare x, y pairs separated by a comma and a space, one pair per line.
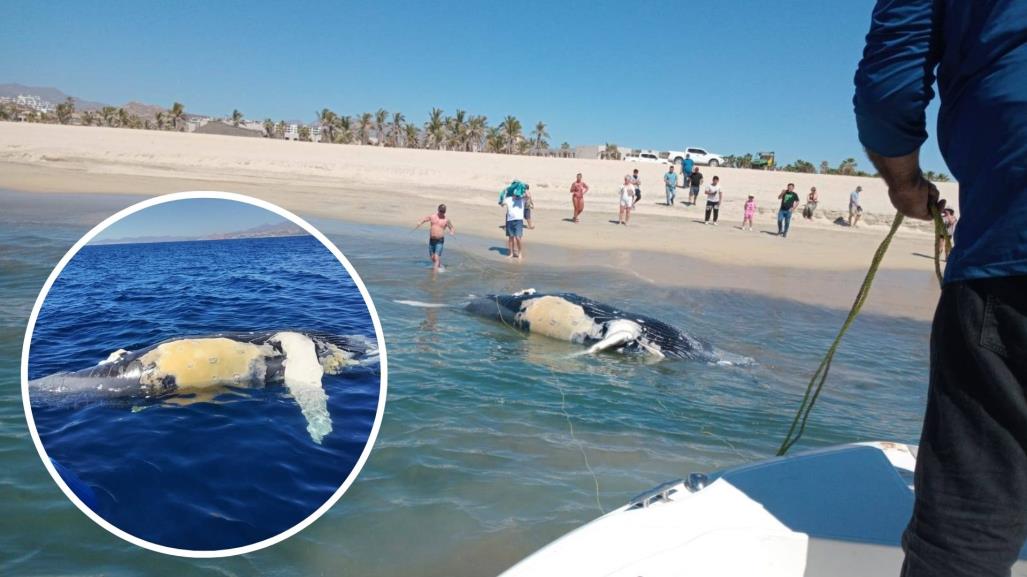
275, 230
50, 93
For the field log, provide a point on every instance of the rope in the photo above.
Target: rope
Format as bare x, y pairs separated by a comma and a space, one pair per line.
567, 416
816, 383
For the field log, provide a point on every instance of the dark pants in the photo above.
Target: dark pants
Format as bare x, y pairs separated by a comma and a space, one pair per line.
970, 517
713, 207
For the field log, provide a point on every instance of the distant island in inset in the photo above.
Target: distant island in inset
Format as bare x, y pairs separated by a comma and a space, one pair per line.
272, 230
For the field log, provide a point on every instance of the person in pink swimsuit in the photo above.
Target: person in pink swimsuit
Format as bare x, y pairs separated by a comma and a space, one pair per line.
578, 190
437, 234
750, 211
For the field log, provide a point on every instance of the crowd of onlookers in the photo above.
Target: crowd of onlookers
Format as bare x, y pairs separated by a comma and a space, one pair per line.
518, 203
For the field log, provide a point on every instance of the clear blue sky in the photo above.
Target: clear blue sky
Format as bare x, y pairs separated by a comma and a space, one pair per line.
191, 218
735, 76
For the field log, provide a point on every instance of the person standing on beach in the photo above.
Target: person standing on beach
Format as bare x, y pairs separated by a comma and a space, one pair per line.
694, 182
529, 207
627, 201
687, 165
789, 199
811, 204
713, 198
749, 212
970, 514
671, 181
855, 209
637, 183
440, 223
514, 224
578, 190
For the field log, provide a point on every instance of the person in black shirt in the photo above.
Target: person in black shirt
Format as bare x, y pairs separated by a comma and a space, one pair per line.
694, 182
784, 216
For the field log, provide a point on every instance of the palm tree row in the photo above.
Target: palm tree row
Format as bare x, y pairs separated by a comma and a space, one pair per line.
461, 131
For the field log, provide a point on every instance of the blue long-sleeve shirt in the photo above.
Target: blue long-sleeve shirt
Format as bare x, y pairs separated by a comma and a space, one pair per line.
979, 50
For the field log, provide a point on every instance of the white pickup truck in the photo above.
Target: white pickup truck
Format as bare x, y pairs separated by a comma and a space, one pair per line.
698, 155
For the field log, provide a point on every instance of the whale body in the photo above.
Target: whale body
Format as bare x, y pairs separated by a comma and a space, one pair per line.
577, 319
195, 364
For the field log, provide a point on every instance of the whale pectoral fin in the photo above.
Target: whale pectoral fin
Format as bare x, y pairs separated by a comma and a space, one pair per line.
303, 375
313, 402
612, 340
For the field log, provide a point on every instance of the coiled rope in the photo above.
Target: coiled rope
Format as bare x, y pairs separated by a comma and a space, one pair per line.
816, 383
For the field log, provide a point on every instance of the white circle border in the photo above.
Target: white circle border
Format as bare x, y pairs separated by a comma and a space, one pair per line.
382, 390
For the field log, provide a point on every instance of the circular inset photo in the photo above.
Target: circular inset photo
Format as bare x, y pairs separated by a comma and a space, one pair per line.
204, 374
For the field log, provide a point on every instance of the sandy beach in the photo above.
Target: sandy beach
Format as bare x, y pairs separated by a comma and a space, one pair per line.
820, 263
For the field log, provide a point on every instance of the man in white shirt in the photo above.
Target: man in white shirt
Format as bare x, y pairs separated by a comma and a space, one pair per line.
713, 197
514, 224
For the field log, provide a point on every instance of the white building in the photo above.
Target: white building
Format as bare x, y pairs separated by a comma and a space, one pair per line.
29, 100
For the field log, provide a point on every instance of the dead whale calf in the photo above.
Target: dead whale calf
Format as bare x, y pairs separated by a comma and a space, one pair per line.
578, 319
297, 360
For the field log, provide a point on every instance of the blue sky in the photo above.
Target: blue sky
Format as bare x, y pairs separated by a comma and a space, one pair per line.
194, 217
735, 76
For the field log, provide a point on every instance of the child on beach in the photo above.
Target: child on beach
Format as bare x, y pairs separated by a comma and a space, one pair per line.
750, 211
514, 224
437, 234
627, 200
578, 190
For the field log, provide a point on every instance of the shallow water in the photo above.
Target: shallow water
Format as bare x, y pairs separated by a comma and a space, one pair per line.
476, 465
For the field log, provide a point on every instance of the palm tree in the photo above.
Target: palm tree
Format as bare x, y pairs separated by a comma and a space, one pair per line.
611, 152
364, 125
825, 168
162, 120
411, 136
88, 118
280, 129
178, 116
343, 129
326, 118
435, 130
477, 127
511, 128
458, 139
847, 166
65, 111
305, 133
236, 117
381, 120
494, 140
396, 132
269, 128
109, 114
123, 118
539, 136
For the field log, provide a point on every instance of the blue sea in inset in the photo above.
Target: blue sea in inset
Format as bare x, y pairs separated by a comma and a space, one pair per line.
475, 465
202, 473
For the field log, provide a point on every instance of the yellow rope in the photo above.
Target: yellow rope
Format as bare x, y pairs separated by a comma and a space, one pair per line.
816, 383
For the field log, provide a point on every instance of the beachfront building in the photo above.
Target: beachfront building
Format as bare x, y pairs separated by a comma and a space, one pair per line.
29, 100
193, 123
598, 151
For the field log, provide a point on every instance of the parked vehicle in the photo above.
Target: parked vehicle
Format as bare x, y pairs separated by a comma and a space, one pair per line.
698, 155
646, 156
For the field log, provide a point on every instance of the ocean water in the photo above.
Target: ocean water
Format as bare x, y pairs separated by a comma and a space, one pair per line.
494, 443
219, 469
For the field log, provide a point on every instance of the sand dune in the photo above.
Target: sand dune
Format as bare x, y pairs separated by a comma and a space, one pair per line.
817, 263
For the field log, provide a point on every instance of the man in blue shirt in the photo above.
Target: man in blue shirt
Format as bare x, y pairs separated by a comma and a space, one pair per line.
970, 516
687, 164
670, 179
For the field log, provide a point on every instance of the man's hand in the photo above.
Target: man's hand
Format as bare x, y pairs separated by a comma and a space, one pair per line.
910, 193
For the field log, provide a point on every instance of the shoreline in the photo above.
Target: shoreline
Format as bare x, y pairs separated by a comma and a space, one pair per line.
820, 263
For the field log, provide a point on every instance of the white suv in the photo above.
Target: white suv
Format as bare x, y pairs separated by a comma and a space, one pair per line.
645, 157
699, 156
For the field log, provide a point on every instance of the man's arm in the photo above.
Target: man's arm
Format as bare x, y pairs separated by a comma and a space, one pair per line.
893, 87
452, 229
